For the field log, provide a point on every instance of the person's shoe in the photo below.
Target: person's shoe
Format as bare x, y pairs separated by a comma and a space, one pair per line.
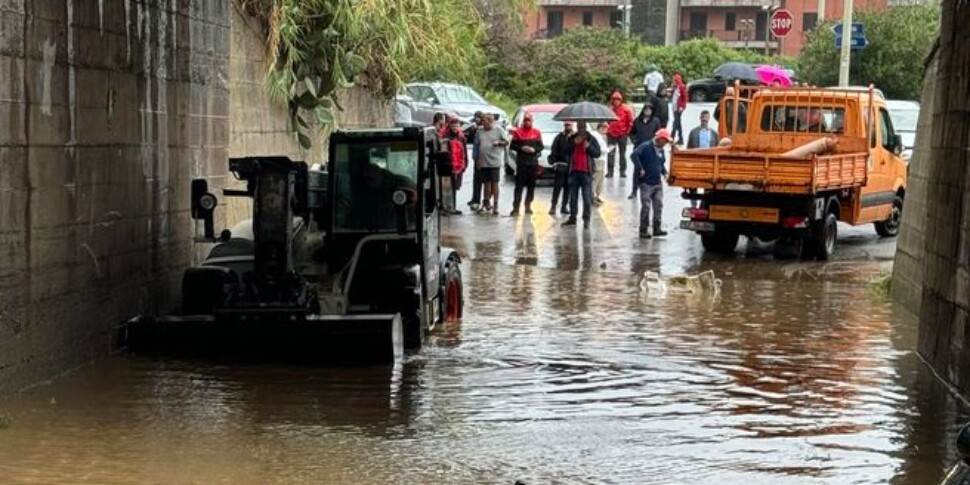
569, 222
456, 212
659, 233
475, 207
552, 211
472, 203
564, 210
632, 196
514, 213
528, 209
585, 224
609, 175
622, 175
644, 235
495, 211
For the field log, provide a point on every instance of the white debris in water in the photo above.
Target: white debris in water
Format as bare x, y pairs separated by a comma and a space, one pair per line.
702, 283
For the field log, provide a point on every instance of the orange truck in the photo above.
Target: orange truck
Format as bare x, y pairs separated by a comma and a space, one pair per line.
800, 161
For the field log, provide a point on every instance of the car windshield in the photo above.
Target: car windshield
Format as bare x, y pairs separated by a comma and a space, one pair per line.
458, 95
542, 121
904, 119
366, 178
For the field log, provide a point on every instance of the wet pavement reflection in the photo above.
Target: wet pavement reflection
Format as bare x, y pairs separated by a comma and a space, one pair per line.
563, 371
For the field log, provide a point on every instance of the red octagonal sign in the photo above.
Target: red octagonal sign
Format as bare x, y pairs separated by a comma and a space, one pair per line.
781, 23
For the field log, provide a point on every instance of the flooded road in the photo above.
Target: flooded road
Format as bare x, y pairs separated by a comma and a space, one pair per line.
563, 371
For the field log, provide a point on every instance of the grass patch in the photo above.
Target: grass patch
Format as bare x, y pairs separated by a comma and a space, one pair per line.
883, 285
5, 421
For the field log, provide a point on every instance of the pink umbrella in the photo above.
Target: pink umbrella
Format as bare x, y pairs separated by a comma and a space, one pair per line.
773, 76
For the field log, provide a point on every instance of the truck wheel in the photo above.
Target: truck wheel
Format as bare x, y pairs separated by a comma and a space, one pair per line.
452, 296
720, 242
824, 234
890, 227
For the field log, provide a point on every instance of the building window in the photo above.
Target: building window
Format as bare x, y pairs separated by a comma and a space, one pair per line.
554, 23
587, 18
729, 21
809, 19
616, 19
698, 24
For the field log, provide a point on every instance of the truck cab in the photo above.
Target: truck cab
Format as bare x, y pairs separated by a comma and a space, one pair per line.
799, 161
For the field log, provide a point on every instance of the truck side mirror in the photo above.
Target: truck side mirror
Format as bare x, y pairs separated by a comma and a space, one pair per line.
898, 144
203, 206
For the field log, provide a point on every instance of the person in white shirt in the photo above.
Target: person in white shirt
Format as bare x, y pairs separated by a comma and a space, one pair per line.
653, 79
598, 174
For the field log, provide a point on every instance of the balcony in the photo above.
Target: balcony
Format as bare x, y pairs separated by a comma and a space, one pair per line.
581, 3
725, 3
735, 39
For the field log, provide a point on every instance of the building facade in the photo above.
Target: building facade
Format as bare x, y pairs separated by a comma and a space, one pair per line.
744, 23
553, 17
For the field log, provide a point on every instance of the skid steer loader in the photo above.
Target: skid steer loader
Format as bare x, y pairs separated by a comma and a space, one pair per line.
344, 262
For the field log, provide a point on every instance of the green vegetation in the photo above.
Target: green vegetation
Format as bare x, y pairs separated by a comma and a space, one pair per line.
5, 420
883, 285
899, 40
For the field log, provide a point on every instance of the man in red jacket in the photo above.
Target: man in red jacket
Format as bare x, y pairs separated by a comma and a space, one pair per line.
617, 133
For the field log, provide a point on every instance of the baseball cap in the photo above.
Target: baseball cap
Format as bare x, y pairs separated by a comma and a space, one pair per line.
663, 134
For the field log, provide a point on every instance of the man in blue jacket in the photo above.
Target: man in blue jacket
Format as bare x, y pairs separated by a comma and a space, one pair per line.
649, 160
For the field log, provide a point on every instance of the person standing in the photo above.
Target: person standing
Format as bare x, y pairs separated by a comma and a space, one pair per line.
644, 128
653, 79
728, 120
679, 105
459, 155
702, 136
492, 141
660, 107
600, 135
584, 150
559, 157
527, 145
649, 160
471, 138
618, 132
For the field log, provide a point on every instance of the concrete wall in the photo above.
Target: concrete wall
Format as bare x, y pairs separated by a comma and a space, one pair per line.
107, 110
907, 282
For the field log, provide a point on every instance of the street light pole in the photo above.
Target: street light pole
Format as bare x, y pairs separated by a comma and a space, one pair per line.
846, 44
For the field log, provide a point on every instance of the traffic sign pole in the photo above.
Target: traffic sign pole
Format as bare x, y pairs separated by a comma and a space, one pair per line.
845, 58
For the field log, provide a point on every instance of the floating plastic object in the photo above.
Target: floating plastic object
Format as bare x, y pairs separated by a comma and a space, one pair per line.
701, 283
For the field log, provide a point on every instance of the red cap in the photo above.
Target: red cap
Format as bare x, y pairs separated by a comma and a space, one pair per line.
663, 134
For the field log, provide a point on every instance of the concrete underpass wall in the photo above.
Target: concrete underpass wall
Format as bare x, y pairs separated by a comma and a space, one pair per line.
907, 281
106, 110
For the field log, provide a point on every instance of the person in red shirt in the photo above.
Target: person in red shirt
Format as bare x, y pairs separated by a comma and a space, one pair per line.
455, 138
617, 133
582, 159
679, 101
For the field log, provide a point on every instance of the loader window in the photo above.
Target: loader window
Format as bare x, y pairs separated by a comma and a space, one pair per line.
366, 178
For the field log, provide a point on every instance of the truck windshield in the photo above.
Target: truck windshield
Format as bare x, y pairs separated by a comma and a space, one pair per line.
367, 174
803, 119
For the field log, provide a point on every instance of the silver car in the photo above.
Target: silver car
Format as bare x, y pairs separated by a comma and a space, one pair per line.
456, 100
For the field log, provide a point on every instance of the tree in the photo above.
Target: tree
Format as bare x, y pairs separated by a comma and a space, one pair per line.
897, 38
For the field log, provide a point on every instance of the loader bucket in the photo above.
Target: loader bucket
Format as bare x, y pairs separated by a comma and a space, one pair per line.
351, 339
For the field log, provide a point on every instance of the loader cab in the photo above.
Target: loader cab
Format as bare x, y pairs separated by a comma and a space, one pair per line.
385, 191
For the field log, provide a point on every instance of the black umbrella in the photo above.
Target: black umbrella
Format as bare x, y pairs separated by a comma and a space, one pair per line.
737, 70
585, 111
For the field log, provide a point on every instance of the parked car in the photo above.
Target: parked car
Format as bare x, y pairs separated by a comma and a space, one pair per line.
712, 89
904, 115
453, 99
542, 120
403, 115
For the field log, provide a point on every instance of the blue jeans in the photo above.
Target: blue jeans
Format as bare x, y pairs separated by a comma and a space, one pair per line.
577, 181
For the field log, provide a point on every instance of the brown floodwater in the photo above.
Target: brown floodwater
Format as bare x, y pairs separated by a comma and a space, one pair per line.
564, 370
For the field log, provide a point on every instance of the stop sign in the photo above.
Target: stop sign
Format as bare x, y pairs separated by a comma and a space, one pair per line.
781, 23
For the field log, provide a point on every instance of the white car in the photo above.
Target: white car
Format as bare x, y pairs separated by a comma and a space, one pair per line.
904, 115
542, 120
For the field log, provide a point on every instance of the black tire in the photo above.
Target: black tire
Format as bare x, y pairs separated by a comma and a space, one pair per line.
452, 277
720, 242
890, 227
822, 241
699, 95
413, 322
